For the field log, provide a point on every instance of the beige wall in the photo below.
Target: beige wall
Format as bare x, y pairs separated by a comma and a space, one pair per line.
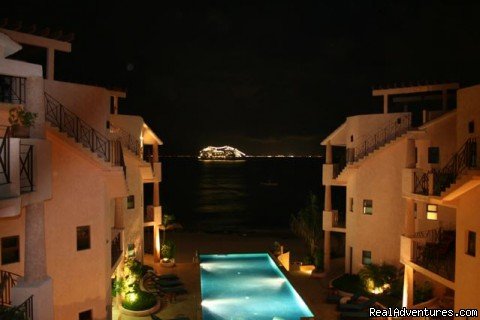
467, 279
379, 178
78, 200
91, 104
468, 109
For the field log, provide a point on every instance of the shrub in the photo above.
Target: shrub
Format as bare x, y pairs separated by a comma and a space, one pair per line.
318, 260
422, 292
168, 249
377, 276
138, 301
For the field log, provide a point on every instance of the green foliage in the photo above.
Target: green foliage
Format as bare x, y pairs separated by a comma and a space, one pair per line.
117, 286
168, 249
18, 116
307, 260
135, 267
378, 274
167, 219
276, 247
14, 313
349, 283
307, 223
422, 293
144, 301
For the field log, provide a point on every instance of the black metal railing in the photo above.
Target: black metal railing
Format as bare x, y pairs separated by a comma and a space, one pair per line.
116, 250
464, 159
380, 138
66, 121
5, 154
12, 89
7, 281
148, 215
437, 256
23, 311
420, 183
338, 219
127, 140
26, 168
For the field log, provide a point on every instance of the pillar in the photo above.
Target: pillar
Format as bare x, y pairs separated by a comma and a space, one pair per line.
157, 215
119, 221
407, 300
50, 64
328, 198
328, 153
326, 251
385, 103
35, 102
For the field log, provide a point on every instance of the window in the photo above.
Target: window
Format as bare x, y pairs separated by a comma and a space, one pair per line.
471, 127
10, 249
432, 211
351, 204
366, 257
112, 105
85, 315
107, 124
433, 155
416, 155
399, 120
367, 206
471, 243
83, 238
415, 210
351, 138
131, 202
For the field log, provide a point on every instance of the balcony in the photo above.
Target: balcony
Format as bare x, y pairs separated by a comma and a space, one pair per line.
152, 214
12, 89
433, 253
334, 221
116, 246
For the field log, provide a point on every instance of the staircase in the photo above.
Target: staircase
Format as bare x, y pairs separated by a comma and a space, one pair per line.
7, 310
458, 170
379, 140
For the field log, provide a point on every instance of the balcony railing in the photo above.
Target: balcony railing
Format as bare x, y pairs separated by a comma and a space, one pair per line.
127, 140
116, 249
7, 281
5, 134
420, 181
338, 219
380, 138
23, 311
67, 121
436, 256
26, 168
12, 89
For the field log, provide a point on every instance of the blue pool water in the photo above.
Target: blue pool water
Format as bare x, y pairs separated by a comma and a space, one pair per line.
247, 287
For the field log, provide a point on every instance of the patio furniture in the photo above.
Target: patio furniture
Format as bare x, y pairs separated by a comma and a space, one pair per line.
333, 297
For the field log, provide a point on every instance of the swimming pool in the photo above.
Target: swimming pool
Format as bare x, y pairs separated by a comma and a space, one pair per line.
247, 286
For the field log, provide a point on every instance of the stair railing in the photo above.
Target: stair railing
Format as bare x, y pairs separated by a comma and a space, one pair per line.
127, 140
383, 136
5, 154
26, 168
465, 158
7, 281
12, 89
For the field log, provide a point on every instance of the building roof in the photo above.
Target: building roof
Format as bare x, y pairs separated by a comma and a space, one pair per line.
337, 135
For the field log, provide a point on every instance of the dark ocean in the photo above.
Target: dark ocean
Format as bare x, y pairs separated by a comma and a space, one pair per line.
258, 194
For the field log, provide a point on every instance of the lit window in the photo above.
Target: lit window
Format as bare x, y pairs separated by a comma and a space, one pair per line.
10, 249
85, 315
432, 211
83, 238
471, 243
367, 206
366, 257
131, 202
434, 155
351, 204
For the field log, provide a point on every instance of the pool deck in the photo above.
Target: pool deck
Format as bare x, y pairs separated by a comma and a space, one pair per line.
312, 290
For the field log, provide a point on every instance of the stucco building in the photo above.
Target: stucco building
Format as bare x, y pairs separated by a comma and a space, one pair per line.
71, 195
412, 182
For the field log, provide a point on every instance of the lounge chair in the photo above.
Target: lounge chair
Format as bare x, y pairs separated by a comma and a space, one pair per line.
345, 315
356, 306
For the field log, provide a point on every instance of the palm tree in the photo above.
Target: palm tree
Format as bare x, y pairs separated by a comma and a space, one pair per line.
307, 224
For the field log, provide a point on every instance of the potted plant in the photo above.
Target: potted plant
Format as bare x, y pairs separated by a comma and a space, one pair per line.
168, 254
21, 121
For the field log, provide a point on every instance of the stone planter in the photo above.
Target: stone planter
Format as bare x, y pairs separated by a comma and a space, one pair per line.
141, 313
19, 131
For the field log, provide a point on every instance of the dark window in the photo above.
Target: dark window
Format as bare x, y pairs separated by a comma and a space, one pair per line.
471, 243
85, 315
351, 204
83, 238
366, 257
416, 155
399, 120
108, 124
112, 105
415, 210
10, 249
433, 155
131, 202
351, 138
367, 206
471, 127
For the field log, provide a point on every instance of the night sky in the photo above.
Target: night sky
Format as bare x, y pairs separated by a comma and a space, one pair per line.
268, 77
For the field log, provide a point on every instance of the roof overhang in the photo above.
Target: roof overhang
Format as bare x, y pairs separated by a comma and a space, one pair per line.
337, 137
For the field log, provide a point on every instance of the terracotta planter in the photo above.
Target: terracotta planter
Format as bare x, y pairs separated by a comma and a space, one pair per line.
19, 131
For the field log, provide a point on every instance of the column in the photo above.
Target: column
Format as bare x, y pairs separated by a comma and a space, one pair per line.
50, 64
385, 103
407, 300
157, 213
327, 209
119, 221
326, 251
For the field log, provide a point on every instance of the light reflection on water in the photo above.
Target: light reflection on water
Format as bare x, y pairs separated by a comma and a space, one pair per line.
235, 196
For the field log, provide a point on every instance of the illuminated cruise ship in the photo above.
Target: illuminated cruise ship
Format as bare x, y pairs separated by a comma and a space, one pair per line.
221, 153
